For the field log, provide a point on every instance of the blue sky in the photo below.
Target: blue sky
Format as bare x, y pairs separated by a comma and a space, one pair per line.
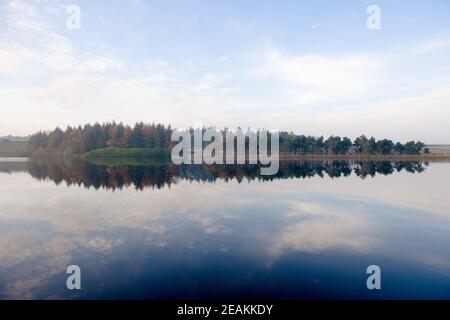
308, 66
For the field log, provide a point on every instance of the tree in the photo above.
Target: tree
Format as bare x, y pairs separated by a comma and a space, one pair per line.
37, 141
56, 138
419, 146
399, 148
79, 139
89, 138
136, 139
385, 146
345, 145
359, 143
413, 147
370, 146
117, 139
333, 144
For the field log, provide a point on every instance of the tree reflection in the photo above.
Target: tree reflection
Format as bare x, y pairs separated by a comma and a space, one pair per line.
159, 175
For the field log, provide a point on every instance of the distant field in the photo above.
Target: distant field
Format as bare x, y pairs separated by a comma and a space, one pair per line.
443, 148
13, 149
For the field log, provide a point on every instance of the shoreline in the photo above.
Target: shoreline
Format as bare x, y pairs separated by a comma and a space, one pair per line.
282, 157
363, 157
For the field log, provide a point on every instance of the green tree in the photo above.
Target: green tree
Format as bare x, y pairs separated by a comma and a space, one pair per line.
399, 148
56, 138
117, 136
345, 145
359, 143
385, 146
370, 146
37, 141
136, 139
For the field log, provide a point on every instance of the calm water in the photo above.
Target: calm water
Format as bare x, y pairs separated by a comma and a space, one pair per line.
165, 232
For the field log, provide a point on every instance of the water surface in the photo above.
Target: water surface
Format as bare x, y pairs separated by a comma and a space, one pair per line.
161, 231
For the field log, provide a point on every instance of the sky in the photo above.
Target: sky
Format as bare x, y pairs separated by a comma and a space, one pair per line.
311, 67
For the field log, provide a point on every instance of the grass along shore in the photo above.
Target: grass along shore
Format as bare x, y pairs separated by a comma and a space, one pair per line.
123, 153
137, 155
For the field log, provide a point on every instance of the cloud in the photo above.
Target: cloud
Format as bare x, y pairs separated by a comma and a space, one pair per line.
100, 63
432, 45
422, 117
37, 50
389, 94
210, 81
77, 99
348, 233
16, 60
315, 78
324, 228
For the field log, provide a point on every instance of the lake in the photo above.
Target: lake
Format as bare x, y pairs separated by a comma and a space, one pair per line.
159, 231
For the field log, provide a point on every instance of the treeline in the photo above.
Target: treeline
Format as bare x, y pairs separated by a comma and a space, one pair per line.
79, 140
300, 144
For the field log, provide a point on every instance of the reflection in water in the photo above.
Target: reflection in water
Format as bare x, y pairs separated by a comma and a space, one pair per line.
277, 237
158, 175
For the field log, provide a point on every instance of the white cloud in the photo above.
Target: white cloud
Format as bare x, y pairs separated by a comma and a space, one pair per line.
391, 94
16, 60
314, 78
422, 117
100, 63
347, 232
432, 45
77, 99
56, 8
210, 81
37, 49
